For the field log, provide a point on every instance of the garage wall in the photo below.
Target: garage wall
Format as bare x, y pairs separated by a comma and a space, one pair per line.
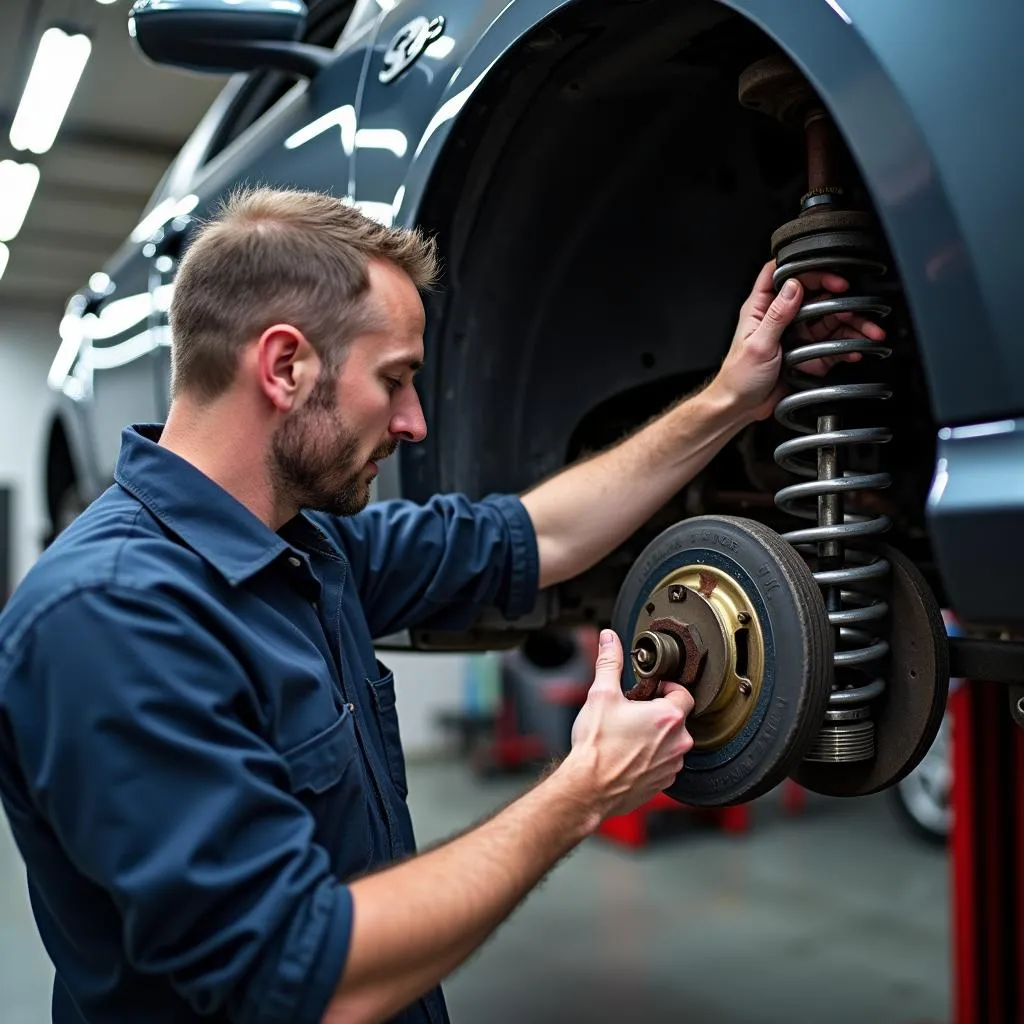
427, 685
28, 343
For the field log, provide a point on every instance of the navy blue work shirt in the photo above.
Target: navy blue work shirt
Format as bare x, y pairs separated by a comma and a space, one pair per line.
198, 745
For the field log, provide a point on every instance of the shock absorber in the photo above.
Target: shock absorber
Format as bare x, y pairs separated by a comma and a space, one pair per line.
828, 236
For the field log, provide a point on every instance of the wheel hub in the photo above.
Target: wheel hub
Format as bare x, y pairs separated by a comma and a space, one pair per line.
698, 629
728, 609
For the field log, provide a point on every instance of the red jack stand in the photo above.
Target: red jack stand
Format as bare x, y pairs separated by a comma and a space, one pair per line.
987, 857
509, 749
632, 829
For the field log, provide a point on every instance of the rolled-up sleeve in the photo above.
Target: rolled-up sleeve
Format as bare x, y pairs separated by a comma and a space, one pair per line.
134, 733
438, 564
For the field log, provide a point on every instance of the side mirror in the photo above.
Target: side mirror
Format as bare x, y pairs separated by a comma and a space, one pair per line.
224, 36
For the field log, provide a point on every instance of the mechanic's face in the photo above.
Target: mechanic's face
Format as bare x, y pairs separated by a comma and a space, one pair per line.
325, 453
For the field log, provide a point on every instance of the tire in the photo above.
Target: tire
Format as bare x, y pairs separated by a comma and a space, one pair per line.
798, 651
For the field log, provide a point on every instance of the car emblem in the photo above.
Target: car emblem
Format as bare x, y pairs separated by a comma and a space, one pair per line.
408, 43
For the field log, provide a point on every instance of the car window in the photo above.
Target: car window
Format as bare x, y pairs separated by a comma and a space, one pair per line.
324, 25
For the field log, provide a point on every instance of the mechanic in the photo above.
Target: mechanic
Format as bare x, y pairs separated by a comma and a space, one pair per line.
199, 751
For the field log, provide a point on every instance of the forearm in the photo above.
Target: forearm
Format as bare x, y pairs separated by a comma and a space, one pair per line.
416, 922
586, 511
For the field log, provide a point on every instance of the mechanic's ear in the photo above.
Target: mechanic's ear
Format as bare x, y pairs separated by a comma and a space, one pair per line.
287, 366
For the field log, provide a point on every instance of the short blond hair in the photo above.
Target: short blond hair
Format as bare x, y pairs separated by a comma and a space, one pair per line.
279, 256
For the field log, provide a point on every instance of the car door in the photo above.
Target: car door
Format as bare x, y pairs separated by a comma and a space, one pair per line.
115, 367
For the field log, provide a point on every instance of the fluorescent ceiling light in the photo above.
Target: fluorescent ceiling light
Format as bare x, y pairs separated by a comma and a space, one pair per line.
17, 186
52, 81
5, 255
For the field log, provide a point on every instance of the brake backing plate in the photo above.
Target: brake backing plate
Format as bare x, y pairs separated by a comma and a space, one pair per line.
726, 607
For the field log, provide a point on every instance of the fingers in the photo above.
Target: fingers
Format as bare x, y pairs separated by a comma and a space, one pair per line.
832, 283
817, 280
761, 294
780, 313
680, 697
868, 328
854, 324
836, 285
608, 670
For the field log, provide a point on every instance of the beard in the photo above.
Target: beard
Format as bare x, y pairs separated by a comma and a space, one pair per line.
315, 460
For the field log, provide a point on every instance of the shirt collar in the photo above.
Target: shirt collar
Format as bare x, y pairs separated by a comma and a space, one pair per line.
200, 512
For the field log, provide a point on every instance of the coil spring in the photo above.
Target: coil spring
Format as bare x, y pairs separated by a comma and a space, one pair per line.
844, 564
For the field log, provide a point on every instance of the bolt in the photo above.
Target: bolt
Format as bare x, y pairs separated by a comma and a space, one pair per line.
743, 618
745, 688
656, 654
677, 593
643, 655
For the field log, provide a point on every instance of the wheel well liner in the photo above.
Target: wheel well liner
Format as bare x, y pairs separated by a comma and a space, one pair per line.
476, 141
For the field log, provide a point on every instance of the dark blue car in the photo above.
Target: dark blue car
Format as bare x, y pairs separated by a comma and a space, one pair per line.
605, 178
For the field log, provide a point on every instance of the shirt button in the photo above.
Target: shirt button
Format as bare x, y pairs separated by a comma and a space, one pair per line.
295, 561
351, 708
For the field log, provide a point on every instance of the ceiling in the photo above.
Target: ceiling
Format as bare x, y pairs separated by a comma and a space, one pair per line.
125, 123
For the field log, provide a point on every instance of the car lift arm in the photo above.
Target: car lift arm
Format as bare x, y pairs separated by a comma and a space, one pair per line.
988, 832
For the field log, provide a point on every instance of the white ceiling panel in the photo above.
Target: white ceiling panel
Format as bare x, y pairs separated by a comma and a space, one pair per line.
125, 122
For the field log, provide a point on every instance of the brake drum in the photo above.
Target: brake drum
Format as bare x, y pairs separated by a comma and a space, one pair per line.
907, 715
727, 608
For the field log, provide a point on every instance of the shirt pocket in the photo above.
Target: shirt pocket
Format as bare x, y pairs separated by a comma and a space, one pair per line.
386, 710
327, 777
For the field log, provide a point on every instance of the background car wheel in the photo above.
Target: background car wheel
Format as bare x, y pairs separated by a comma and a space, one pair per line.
66, 509
922, 800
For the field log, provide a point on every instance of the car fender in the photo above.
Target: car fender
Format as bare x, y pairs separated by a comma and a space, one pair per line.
862, 58
423, 103
921, 98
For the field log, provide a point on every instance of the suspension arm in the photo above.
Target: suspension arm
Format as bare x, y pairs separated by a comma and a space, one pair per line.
989, 661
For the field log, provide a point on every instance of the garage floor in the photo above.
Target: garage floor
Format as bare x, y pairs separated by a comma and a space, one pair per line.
835, 917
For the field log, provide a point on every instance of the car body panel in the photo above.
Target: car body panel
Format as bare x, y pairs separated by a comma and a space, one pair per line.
936, 142
900, 114
975, 511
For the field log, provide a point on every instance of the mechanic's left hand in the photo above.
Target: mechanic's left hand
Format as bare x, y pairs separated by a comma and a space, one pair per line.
750, 371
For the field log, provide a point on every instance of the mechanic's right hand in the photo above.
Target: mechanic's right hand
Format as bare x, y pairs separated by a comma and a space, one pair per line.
632, 750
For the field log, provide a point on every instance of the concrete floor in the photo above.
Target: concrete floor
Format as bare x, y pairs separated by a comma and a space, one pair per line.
835, 917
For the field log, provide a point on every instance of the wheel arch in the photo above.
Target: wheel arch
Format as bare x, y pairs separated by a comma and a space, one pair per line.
893, 155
